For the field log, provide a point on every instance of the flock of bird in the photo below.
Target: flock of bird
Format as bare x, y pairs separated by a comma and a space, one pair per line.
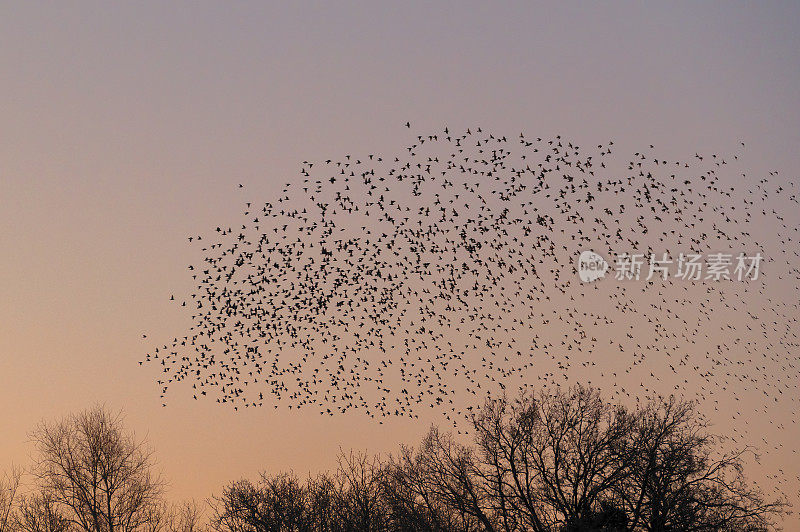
425, 279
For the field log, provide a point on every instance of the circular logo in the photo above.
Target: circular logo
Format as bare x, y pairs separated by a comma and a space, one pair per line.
591, 266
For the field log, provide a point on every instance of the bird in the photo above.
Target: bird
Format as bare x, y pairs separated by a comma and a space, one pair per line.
421, 280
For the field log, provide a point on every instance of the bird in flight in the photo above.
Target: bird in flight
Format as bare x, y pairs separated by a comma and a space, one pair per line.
428, 277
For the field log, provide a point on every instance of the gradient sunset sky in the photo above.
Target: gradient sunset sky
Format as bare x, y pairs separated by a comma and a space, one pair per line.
125, 127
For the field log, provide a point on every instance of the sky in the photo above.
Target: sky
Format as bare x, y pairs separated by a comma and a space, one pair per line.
127, 126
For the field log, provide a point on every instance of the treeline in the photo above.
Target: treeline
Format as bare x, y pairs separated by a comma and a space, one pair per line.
563, 462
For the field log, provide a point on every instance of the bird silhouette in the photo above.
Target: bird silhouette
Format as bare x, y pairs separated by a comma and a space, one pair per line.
426, 279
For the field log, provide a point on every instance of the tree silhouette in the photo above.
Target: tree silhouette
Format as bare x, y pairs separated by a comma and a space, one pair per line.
95, 474
561, 462
39, 513
676, 480
565, 461
9, 486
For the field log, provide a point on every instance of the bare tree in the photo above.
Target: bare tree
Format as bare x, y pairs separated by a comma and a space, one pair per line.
680, 481
274, 504
561, 462
550, 461
436, 487
359, 505
569, 461
95, 473
9, 487
444, 476
39, 513
184, 517
322, 500
348, 500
